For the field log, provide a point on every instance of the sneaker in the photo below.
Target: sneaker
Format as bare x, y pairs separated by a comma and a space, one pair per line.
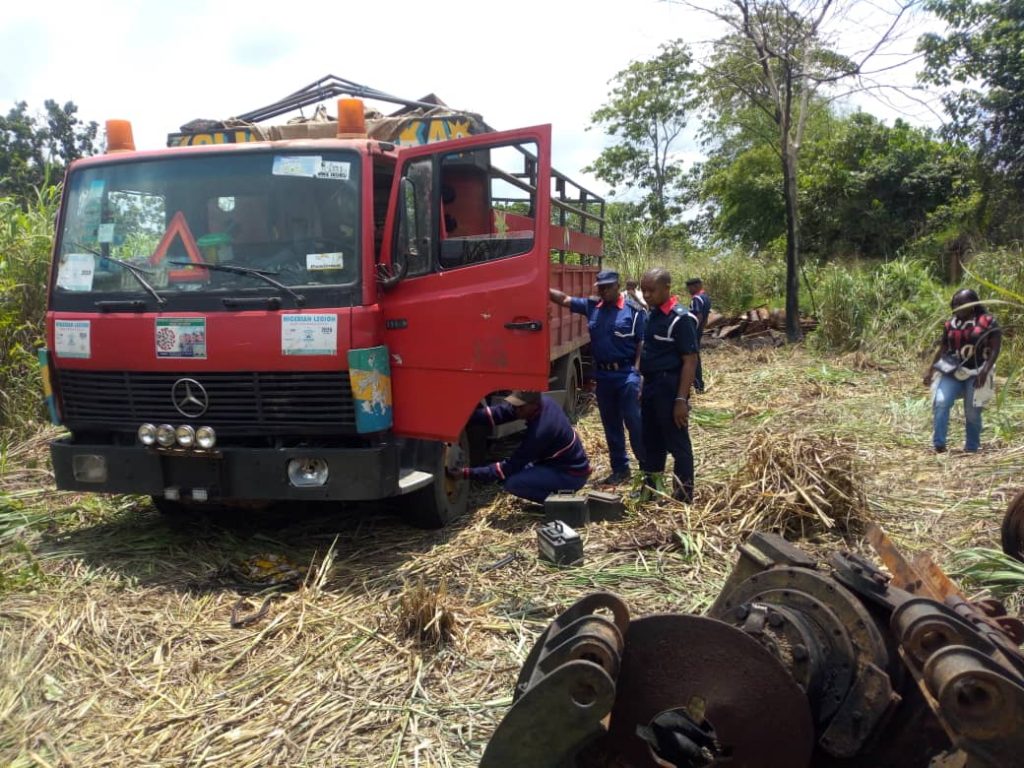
939, 449
616, 478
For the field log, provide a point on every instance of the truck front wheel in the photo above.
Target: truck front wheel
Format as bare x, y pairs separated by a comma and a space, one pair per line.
444, 500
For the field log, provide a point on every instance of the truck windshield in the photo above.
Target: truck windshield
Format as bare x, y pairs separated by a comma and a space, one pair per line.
292, 216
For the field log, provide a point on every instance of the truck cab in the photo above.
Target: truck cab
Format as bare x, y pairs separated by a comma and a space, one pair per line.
296, 319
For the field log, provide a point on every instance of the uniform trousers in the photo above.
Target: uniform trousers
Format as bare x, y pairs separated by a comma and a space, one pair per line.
538, 481
660, 433
618, 401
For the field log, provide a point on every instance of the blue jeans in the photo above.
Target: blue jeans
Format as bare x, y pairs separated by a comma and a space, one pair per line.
618, 401
537, 482
946, 392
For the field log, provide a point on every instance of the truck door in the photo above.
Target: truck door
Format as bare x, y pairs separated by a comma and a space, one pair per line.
466, 315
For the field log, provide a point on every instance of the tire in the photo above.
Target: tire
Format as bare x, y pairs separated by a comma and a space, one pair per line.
567, 377
572, 393
444, 500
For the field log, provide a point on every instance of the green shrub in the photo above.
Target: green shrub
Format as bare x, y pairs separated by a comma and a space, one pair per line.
844, 307
26, 238
998, 276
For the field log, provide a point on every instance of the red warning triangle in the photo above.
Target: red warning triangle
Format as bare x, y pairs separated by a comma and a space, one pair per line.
179, 228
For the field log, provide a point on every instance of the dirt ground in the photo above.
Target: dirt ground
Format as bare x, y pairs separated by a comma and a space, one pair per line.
116, 643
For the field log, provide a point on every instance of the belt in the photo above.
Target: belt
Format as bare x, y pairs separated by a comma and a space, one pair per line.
623, 366
664, 372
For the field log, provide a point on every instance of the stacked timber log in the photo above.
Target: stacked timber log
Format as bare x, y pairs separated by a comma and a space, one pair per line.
768, 326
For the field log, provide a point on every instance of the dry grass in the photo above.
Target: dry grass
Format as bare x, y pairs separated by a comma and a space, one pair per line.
795, 483
401, 647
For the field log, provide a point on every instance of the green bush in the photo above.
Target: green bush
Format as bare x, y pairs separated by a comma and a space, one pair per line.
844, 307
998, 275
26, 238
889, 310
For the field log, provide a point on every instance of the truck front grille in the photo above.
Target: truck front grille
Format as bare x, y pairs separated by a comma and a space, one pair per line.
239, 403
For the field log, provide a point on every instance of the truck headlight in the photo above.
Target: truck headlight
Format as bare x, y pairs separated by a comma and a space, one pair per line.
206, 437
147, 434
165, 435
185, 435
307, 473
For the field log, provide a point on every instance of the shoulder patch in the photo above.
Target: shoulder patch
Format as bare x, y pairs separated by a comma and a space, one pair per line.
682, 311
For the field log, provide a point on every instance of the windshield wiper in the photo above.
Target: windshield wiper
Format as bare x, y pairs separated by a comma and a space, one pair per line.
136, 272
262, 274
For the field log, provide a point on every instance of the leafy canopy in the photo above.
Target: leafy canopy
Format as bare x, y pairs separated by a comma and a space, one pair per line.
35, 150
646, 115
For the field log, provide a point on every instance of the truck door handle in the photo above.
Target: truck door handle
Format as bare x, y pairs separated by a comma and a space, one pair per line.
526, 325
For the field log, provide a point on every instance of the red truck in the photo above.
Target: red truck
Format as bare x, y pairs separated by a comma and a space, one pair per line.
309, 312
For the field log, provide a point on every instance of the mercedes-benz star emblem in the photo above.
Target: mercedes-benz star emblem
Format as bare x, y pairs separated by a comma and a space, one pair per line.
189, 398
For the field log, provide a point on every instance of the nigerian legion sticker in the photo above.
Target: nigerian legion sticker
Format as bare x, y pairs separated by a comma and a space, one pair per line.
309, 334
181, 337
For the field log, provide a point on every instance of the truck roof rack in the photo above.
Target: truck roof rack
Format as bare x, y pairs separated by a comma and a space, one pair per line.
328, 87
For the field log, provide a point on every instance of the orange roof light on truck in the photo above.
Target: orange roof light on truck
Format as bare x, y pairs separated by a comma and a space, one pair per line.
119, 136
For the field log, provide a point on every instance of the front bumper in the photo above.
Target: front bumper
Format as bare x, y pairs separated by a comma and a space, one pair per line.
355, 474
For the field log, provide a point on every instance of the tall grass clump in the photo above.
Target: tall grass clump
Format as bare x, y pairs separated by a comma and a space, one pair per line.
26, 236
735, 280
998, 275
889, 310
843, 307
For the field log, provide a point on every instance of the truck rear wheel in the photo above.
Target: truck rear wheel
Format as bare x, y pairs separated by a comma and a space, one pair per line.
444, 500
566, 374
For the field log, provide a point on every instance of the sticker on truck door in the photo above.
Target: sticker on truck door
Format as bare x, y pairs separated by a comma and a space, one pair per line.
309, 334
181, 337
76, 271
72, 339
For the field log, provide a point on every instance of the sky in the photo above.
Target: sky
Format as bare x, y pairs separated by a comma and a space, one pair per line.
518, 63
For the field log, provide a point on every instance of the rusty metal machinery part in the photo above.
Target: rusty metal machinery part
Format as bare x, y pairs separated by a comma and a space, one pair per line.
848, 666
758, 713
1013, 528
980, 703
803, 636
592, 629
856, 692
565, 689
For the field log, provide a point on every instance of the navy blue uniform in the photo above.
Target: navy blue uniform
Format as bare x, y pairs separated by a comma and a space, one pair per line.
615, 332
550, 458
700, 306
671, 333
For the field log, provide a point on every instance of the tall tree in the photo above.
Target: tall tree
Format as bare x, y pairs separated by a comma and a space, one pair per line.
778, 55
646, 115
983, 48
35, 150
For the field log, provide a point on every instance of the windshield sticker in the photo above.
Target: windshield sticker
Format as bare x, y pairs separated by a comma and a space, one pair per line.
309, 334
181, 337
333, 169
72, 338
317, 262
296, 165
105, 232
76, 272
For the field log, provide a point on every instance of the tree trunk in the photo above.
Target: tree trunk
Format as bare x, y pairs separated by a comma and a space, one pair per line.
793, 331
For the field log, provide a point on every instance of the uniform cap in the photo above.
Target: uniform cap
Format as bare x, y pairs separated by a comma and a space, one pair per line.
522, 397
607, 277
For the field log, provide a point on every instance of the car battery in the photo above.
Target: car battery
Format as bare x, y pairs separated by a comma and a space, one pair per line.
560, 544
568, 508
605, 506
